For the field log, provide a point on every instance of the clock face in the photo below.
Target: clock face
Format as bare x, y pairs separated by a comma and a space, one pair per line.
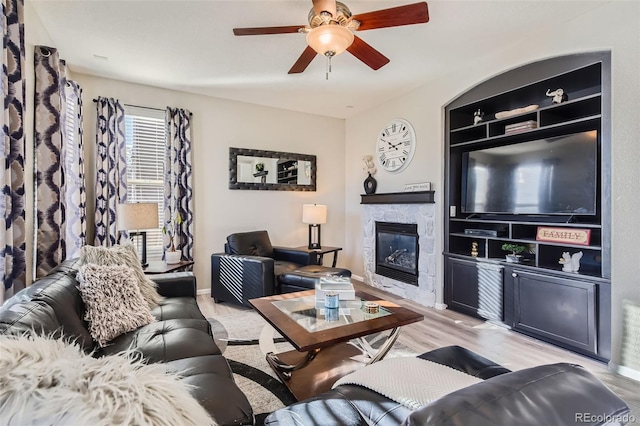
396, 145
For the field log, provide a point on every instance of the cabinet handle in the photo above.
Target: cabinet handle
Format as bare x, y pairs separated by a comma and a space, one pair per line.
514, 275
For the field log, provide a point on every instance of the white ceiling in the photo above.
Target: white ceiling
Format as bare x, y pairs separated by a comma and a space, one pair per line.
189, 46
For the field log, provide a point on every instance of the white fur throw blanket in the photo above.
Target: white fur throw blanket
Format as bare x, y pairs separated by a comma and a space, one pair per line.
412, 382
50, 382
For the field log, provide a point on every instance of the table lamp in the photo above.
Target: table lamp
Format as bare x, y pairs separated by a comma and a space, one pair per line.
137, 216
314, 215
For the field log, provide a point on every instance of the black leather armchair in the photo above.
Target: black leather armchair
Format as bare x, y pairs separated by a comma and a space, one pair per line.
249, 267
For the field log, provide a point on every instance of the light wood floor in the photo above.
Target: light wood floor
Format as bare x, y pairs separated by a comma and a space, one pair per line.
499, 344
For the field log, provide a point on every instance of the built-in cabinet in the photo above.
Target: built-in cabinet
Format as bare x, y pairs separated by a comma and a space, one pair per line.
534, 296
476, 288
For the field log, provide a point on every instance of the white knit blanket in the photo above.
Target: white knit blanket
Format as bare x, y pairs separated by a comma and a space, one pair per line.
412, 382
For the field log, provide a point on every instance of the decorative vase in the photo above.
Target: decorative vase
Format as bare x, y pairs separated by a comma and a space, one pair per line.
172, 257
513, 258
370, 185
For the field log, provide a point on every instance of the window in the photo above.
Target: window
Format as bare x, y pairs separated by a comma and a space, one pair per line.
145, 134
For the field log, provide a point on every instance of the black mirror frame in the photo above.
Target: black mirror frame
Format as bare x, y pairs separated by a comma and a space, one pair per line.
233, 170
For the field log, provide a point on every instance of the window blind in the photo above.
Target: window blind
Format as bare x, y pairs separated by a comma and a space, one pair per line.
145, 135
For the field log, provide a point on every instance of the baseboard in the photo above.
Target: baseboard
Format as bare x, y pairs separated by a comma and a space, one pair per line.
204, 291
625, 371
357, 277
441, 306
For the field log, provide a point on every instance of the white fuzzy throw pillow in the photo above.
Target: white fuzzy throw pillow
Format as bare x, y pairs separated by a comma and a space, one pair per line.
50, 382
124, 254
113, 303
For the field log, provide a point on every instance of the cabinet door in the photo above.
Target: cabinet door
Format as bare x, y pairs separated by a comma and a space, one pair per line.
556, 309
475, 288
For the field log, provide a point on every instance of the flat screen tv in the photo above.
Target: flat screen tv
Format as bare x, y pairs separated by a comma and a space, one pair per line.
555, 176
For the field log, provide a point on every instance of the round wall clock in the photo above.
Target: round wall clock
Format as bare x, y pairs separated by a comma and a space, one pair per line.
396, 145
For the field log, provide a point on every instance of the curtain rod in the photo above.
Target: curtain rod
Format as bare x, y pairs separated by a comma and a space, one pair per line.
145, 107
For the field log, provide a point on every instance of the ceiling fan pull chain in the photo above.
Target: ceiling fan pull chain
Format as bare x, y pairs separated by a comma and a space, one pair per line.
328, 69
329, 55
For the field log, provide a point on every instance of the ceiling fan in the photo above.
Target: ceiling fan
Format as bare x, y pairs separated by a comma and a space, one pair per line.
331, 26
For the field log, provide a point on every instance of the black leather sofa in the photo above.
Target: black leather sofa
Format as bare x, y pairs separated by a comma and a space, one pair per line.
181, 337
556, 394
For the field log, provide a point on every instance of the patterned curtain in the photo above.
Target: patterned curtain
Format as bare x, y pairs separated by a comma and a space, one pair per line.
60, 190
12, 148
76, 194
111, 169
178, 180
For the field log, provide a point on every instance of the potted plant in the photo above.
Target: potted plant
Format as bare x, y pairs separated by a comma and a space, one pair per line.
515, 250
259, 167
170, 229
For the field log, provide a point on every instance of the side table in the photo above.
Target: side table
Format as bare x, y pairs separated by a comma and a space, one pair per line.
160, 267
319, 253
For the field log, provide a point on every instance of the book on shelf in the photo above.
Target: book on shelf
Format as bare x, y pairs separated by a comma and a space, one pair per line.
521, 126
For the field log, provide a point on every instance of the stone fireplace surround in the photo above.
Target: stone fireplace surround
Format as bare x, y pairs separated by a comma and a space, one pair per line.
422, 215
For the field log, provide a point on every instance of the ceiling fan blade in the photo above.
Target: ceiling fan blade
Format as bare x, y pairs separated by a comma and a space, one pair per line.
303, 61
367, 54
417, 13
320, 6
267, 30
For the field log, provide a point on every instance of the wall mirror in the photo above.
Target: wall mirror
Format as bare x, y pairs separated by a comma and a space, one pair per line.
271, 170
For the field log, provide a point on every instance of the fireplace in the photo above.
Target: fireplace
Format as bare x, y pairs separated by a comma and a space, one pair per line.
397, 251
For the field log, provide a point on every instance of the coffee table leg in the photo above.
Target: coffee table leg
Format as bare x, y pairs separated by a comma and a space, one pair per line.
287, 369
378, 355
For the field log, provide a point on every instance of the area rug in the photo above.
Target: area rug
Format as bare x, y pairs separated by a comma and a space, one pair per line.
244, 338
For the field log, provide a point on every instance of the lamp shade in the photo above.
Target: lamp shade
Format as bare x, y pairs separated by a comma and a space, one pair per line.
315, 214
333, 39
137, 216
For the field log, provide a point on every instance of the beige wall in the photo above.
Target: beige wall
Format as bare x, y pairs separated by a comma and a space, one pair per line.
614, 26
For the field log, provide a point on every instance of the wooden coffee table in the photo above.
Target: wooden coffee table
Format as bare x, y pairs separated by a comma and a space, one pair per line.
323, 354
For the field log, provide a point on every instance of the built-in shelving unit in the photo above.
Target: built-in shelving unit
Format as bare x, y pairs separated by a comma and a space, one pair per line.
529, 296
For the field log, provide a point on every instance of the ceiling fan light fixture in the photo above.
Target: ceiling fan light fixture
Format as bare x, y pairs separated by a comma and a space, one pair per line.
330, 40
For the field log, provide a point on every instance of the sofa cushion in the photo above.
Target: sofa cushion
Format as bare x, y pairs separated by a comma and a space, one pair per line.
214, 388
124, 254
177, 308
462, 359
254, 243
114, 304
60, 293
17, 319
545, 395
166, 340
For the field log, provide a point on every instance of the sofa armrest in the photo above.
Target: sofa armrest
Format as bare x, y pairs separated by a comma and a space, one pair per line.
464, 360
295, 256
237, 278
176, 284
556, 394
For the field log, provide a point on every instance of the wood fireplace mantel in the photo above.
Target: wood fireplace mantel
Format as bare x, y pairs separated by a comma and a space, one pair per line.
417, 197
